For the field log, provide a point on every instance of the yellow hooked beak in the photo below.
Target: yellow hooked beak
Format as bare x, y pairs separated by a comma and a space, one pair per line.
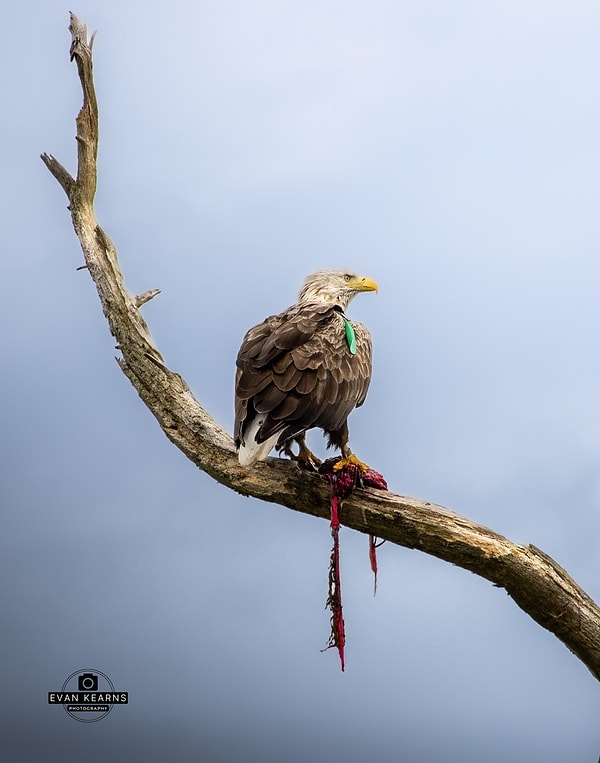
363, 284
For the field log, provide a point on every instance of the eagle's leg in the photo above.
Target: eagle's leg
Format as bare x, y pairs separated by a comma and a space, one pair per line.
339, 439
305, 457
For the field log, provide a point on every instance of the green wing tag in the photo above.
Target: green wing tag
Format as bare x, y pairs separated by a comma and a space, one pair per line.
350, 336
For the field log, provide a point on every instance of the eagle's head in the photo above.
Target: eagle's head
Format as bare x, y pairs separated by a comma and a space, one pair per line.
337, 287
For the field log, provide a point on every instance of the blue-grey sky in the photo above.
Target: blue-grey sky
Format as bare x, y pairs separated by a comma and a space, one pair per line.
448, 150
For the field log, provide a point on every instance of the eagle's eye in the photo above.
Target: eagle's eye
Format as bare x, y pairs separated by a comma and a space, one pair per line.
346, 278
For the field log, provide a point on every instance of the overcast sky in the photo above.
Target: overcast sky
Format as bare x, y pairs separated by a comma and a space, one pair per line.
450, 151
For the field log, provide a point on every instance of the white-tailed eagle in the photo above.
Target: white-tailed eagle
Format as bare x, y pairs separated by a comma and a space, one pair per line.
309, 366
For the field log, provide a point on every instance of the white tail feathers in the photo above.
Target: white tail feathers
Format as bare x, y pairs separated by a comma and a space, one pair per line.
251, 451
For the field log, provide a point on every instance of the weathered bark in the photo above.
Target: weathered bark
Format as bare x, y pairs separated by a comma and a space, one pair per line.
535, 581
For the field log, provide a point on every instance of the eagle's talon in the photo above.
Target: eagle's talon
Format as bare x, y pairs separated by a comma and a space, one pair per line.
351, 460
305, 458
308, 465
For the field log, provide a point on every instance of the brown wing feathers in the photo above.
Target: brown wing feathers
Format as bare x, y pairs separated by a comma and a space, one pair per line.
297, 370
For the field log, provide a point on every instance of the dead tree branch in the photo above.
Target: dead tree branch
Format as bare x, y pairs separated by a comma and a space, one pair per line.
535, 581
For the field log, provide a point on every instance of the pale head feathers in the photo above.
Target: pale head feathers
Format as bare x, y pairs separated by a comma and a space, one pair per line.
336, 287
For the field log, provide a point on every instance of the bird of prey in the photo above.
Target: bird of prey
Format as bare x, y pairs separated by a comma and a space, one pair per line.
306, 367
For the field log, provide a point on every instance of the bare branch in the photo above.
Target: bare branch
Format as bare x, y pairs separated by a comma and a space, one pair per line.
141, 299
65, 179
535, 581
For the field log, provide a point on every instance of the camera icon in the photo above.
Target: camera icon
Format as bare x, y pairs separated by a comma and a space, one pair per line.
87, 682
